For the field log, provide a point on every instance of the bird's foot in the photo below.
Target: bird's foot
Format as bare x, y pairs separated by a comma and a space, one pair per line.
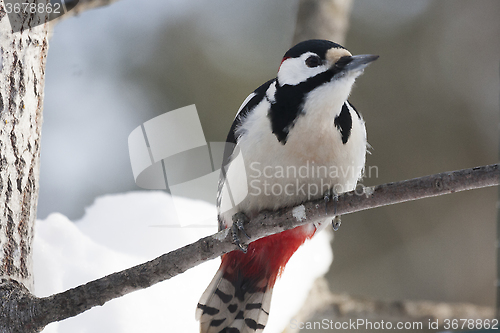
329, 195
336, 222
239, 220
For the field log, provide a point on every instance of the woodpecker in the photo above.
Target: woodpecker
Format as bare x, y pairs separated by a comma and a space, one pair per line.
299, 138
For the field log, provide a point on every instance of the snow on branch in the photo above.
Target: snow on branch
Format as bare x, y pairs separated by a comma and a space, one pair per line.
77, 300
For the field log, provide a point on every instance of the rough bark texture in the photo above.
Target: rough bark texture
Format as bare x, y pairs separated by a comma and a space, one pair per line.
322, 19
22, 75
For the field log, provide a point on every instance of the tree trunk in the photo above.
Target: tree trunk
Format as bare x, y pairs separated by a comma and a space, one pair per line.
22, 67
322, 19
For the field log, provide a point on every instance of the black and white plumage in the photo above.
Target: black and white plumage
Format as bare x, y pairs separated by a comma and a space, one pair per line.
300, 119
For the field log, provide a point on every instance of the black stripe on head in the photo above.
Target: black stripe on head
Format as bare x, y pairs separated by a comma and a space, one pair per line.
290, 101
343, 122
318, 46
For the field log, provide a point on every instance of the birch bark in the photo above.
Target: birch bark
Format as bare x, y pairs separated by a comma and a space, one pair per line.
22, 75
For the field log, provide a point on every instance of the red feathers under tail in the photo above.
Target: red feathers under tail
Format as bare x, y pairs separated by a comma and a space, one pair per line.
239, 297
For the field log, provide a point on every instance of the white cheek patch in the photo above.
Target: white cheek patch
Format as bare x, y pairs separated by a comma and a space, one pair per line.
294, 70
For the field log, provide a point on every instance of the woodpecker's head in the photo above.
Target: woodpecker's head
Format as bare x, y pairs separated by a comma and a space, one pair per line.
313, 75
311, 58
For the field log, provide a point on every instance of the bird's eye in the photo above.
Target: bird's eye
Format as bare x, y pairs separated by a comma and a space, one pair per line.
313, 61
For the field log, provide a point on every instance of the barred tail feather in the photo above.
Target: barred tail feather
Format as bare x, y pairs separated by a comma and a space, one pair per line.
239, 297
228, 307
203, 308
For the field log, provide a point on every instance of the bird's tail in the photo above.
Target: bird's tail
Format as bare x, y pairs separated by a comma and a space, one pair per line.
239, 297
234, 304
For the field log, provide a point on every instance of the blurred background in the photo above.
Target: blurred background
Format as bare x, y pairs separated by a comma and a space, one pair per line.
431, 104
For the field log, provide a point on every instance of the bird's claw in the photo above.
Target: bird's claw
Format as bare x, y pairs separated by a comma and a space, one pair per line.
336, 222
239, 220
328, 195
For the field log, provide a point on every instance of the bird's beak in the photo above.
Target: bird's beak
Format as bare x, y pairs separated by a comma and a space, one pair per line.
359, 62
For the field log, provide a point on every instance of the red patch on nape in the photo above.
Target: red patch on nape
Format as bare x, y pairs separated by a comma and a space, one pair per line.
284, 58
266, 257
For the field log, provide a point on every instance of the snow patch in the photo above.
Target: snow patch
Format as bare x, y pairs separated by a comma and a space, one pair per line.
119, 231
368, 190
222, 235
299, 213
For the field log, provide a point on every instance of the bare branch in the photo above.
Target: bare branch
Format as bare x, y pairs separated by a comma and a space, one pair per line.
98, 292
83, 5
89, 4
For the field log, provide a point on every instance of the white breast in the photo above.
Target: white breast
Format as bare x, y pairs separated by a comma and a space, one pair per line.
313, 160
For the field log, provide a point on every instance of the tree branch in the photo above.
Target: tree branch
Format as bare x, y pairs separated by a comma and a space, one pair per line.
80, 7
77, 300
84, 5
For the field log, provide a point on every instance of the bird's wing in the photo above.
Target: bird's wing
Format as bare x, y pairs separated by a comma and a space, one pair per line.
232, 138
